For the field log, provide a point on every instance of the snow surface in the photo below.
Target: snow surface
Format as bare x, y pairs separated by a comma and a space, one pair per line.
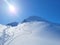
31, 33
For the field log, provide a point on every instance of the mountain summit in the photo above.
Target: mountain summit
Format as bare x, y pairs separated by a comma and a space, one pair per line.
38, 19
33, 18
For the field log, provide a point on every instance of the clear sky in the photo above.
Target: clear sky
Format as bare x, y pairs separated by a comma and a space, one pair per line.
47, 9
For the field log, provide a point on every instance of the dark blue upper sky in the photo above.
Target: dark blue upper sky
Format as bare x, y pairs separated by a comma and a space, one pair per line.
47, 9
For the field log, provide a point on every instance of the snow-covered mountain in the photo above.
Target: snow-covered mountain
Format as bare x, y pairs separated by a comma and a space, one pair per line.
33, 18
32, 31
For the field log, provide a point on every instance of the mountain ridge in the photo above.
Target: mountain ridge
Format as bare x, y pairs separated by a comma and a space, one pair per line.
37, 18
12, 24
32, 19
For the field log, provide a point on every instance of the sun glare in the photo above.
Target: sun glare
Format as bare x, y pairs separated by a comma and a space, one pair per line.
12, 9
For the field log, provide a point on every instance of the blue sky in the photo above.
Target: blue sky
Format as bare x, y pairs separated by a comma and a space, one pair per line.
47, 9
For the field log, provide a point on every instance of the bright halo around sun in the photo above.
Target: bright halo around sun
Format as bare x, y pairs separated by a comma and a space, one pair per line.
12, 9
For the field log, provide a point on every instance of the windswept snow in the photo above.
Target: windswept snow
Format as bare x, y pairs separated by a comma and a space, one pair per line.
31, 33
35, 33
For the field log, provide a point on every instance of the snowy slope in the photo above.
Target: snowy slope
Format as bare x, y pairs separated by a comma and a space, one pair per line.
35, 33
32, 31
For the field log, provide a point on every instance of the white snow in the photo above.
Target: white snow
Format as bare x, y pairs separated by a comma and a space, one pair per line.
30, 33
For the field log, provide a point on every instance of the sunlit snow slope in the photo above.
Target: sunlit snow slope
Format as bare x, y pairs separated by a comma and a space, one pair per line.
32, 31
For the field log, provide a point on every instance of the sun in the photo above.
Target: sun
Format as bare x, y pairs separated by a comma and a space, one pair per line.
12, 9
